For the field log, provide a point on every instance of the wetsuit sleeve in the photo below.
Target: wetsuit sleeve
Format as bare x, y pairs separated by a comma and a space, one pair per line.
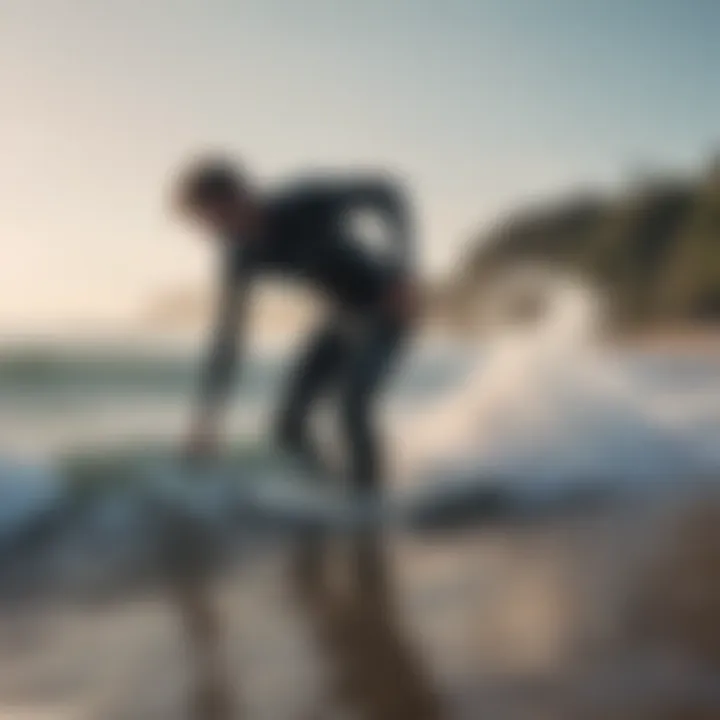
389, 200
221, 362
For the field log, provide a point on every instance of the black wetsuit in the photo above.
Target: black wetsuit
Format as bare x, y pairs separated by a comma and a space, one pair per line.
305, 236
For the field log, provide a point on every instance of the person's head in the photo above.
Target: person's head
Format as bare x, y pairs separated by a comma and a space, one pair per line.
217, 195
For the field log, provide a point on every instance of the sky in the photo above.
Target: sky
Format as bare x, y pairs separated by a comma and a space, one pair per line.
481, 105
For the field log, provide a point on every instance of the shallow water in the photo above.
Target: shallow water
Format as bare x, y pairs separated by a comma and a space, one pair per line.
504, 620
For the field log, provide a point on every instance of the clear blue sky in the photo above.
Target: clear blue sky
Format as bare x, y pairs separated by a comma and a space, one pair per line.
481, 104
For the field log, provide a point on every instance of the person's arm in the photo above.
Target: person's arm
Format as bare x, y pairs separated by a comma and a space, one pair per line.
220, 364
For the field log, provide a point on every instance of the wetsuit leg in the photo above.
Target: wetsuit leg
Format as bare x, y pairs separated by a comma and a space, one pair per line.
317, 367
366, 368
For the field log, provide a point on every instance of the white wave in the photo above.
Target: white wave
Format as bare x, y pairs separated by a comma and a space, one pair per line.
551, 407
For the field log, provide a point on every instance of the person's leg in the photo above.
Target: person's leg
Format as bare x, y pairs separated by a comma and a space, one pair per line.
367, 367
317, 367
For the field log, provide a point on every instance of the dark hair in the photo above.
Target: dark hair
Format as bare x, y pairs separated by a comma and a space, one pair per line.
207, 181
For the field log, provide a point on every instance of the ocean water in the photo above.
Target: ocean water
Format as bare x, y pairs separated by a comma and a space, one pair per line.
533, 614
58, 396
538, 412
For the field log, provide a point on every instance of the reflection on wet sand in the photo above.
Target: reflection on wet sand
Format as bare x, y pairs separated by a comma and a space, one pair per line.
611, 618
373, 669
189, 580
211, 697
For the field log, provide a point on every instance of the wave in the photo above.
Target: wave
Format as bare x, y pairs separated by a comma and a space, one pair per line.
547, 423
113, 525
43, 372
553, 405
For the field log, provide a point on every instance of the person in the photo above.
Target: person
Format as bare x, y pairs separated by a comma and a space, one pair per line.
303, 233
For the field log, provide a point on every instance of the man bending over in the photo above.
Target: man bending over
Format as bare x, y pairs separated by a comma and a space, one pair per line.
303, 234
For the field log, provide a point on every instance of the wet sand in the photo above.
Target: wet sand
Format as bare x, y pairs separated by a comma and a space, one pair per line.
605, 616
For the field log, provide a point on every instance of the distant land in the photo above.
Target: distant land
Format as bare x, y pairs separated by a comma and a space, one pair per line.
278, 313
275, 312
653, 249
